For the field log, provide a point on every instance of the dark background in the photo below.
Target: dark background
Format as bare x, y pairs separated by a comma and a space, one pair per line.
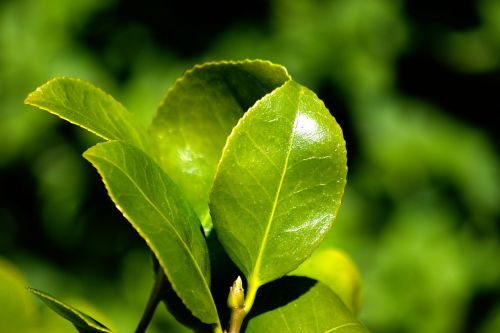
414, 85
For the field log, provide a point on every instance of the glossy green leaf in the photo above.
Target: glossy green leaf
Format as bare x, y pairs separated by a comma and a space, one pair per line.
337, 270
156, 209
197, 115
87, 106
80, 320
316, 310
279, 183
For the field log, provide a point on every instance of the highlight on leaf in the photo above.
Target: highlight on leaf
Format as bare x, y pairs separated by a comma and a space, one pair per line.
242, 145
198, 113
279, 183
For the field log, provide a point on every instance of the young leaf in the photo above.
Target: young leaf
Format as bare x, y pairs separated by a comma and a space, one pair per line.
156, 209
279, 183
335, 269
87, 106
316, 310
82, 322
197, 115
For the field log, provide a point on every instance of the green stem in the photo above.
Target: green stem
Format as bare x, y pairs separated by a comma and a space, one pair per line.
240, 307
253, 286
237, 316
159, 289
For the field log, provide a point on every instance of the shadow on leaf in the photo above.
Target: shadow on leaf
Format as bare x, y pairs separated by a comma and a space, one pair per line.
279, 293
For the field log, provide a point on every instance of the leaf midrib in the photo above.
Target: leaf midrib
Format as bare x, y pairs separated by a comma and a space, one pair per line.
205, 284
258, 262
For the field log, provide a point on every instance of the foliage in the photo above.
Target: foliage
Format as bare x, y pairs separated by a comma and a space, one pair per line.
277, 185
413, 85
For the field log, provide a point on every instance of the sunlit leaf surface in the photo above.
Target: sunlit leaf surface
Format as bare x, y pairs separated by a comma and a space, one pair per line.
279, 183
85, 105
160, 214
197, 115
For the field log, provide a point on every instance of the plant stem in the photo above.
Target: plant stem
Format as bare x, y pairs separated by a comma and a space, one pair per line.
239, 304
253, 285
237, 316
160, 287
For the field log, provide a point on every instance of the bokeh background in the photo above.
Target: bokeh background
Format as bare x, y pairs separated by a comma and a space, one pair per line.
414, 84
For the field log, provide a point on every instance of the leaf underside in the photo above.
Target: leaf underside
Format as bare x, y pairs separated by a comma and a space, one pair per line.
81, 321
155, 207
279, 183
197, 115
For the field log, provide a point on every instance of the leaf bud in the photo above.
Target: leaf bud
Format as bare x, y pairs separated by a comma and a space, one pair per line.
236, 298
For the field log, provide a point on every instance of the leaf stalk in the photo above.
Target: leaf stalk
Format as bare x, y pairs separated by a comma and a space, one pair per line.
239, 304
160, 288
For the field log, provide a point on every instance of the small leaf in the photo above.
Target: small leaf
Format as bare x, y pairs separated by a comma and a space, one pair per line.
317, 309
82, 322
87, 106
279, 183
156, 209
197, 115
335, 269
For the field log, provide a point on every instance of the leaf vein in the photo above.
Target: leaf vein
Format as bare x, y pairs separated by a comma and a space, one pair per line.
263, 152
342, 326
258, 263
188, 251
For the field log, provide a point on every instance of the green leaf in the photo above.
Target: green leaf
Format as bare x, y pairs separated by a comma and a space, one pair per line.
317, 309
82, 322
335, 269
279, 183
156, 209
197, 115
87, 106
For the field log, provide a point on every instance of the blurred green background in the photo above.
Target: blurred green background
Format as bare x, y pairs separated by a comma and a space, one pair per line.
414, 85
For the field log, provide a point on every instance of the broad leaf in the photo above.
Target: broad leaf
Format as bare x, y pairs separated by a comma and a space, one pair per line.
85, 105
279, 183
335, 269
156, 209
316, 310
197, 115
80, 320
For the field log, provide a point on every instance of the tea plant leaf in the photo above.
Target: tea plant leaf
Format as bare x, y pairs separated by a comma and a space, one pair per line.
87, 106
197, 115
337, 270
80, 320
317, 310
155, 207
279, 183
